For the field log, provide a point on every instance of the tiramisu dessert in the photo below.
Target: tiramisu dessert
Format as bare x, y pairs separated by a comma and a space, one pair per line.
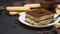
39, 16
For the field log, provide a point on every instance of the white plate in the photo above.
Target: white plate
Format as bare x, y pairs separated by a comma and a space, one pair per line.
22, 20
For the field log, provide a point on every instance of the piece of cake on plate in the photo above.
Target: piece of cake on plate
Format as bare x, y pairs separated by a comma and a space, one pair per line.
39, 16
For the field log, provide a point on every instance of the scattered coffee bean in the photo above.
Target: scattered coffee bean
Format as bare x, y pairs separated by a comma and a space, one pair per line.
39, 32
16, 21
45, 32
54, 30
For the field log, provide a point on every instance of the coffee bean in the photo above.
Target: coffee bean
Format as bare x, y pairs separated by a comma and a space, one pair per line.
54, 30
45, 32
39, 32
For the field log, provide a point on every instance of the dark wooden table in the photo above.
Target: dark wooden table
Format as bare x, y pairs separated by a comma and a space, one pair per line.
11, 25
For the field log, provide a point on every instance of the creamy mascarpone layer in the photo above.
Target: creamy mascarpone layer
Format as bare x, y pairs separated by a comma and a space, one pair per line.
39, 18
43, 22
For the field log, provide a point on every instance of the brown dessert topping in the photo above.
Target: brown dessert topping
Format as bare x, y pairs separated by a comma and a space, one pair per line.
36, 14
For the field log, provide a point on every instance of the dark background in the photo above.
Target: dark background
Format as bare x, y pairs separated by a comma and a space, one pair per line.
11, 25
10, 2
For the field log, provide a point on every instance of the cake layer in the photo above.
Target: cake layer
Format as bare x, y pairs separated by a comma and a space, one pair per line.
39, 18
43, 22
36, 14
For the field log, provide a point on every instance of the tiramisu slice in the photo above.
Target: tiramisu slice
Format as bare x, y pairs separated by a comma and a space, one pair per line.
37, 17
